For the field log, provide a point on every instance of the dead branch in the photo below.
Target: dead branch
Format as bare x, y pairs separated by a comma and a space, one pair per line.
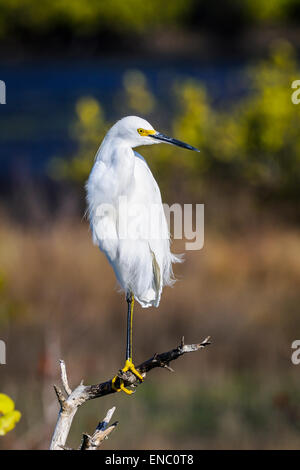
102, 432
82, 393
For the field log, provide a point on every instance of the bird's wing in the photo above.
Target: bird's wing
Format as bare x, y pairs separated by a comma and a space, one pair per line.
153, 220
147, 195
103, 220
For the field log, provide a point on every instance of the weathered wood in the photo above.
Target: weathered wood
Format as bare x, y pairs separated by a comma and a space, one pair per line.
102, 432
82, 393
158, 360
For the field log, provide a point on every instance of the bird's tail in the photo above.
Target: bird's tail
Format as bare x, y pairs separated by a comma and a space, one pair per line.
161, 277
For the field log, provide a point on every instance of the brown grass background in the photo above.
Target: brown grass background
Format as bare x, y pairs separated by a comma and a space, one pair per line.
59, 300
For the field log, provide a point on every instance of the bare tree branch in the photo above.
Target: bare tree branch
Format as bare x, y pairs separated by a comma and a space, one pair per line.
64, 377
83, 393
158, 360
102, 432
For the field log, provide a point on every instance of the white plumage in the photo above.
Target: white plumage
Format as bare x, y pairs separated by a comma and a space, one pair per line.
136, 243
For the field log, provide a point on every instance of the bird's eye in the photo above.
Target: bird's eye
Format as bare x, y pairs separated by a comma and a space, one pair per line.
140, 131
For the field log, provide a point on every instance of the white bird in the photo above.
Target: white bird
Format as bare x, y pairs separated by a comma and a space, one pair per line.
127, 219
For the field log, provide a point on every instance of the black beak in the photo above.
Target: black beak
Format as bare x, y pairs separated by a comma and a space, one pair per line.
172, 141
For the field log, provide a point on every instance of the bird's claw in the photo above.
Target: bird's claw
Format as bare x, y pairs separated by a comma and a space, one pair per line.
129, 366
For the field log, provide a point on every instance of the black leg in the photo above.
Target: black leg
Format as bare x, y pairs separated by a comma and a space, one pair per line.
130, 303
128, 364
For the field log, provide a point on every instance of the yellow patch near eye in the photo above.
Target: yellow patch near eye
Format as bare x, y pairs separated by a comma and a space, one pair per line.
144, 132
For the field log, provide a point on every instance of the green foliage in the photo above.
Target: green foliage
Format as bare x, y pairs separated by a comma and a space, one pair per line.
88, 129
90, 16
131, 16
269, 124
255, 141
269, 10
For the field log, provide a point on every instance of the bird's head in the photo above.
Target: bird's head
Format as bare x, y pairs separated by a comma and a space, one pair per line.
137, 131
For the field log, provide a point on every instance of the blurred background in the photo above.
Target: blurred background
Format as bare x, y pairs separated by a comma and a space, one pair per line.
217, 75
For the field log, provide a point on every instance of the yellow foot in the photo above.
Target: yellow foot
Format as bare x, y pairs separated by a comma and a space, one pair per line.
128, 366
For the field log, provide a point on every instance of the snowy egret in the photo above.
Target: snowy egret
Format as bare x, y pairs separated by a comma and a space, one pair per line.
142, 263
